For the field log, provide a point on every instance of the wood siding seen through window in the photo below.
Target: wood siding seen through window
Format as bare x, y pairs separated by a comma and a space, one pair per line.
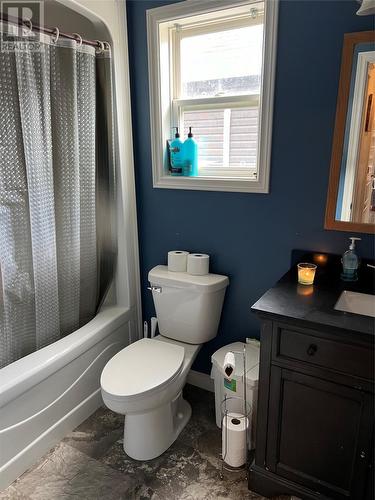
226, 137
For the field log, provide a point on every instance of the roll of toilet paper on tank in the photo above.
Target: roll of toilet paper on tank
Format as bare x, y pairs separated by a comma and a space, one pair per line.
198, 264
234, 431
177, 261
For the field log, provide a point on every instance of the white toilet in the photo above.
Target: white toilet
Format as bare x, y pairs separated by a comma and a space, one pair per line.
144, 381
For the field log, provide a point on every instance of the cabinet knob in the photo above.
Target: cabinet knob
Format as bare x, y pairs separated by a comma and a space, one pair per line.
311, 350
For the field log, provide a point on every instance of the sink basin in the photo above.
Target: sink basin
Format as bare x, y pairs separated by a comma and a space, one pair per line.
356, 303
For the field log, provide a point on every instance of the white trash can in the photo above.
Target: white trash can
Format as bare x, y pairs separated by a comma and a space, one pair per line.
234, 387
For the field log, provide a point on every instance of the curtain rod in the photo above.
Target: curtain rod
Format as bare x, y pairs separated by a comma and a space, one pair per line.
54, 31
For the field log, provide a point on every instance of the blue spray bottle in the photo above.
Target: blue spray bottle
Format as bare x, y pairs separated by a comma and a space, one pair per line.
190, 156
176, 151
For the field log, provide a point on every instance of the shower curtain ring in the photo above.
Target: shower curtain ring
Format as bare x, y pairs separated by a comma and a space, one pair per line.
101, 47
56, 33
107, 45
29, 25
79, 41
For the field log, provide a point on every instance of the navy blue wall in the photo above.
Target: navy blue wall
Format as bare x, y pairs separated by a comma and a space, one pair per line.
250, 236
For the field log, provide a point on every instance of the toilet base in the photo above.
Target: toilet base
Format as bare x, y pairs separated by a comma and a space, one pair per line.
148, 435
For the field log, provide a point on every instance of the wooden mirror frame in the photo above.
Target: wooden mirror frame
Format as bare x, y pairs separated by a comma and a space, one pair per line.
350, 41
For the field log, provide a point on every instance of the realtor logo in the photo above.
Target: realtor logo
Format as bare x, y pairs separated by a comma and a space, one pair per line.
17, 21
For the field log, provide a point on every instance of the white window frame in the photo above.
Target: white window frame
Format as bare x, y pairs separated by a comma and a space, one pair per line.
226, 103
163, 90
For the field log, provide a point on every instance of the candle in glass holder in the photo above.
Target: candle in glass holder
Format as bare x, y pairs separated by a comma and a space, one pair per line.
306, 273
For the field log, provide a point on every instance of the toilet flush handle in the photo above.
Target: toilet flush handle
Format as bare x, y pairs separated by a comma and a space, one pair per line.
156, 289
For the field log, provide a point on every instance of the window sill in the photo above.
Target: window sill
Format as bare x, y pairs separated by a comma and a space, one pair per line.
241, 185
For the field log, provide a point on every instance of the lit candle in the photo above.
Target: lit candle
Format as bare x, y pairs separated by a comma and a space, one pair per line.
306, 273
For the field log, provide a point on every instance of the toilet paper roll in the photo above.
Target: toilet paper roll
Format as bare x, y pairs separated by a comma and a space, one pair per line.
177, 261
229, 364
198, 264
234, 444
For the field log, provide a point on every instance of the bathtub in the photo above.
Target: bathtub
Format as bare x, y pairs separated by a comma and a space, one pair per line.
46, 394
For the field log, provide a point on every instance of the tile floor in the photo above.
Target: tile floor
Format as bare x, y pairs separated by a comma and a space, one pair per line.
90, 464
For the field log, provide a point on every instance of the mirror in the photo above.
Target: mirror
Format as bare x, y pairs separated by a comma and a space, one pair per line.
351, 192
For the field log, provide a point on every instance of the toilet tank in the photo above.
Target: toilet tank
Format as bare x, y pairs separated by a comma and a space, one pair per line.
188, 307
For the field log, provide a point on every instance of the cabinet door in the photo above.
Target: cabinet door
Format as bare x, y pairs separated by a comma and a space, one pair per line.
319, 434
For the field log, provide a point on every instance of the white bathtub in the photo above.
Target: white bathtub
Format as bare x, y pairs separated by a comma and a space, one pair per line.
44, 395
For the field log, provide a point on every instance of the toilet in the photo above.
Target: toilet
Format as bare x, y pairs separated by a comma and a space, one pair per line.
144, 381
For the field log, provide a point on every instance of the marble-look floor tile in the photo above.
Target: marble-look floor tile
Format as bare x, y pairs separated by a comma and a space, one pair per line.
11, 493
97, 434
207, 486
67, 473
184, 473
90, 464
116, 457
175, 472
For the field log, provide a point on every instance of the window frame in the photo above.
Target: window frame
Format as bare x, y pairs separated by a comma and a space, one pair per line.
165, 108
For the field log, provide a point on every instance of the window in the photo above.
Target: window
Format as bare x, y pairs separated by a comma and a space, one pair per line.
207, 62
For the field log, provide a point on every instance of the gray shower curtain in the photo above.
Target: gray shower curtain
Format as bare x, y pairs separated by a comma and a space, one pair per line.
57, 244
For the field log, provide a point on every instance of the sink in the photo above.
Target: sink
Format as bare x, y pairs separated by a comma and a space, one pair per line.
356, 303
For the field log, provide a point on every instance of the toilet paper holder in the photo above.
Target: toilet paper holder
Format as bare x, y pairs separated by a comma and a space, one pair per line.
240, 407
235, 452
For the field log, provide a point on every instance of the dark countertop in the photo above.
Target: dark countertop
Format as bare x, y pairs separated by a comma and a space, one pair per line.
315, 303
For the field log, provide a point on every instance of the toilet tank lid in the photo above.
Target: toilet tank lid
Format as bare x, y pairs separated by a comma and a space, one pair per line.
160, 275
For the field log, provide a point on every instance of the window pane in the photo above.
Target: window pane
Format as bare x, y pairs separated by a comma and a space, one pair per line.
244, 137
227, 138
222, 63
207, 127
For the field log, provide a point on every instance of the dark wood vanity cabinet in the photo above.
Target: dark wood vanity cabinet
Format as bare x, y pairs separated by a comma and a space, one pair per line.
315, 418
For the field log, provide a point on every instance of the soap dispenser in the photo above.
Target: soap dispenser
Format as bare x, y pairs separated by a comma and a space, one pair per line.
176, 151
350, 262
190, 156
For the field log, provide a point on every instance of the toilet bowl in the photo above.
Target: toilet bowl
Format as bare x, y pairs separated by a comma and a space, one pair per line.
144, 381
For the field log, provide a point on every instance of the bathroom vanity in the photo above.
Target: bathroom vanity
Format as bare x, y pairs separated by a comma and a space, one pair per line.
315, 419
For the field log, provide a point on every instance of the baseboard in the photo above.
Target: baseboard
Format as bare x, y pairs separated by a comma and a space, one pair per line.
201, 380
30, 455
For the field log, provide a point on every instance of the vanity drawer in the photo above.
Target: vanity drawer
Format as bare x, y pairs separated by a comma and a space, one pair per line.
314, 350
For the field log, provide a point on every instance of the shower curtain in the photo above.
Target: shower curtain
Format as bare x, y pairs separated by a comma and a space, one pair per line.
57, 244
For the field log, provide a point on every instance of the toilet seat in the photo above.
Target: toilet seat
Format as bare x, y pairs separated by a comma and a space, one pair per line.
143, 367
